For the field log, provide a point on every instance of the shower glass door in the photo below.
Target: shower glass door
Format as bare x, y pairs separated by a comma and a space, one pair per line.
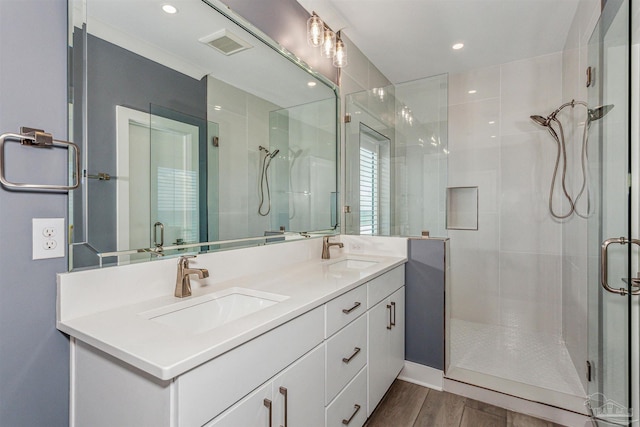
177, 178
608, 225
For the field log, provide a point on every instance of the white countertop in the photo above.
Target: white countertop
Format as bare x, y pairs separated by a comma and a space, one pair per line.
166, 352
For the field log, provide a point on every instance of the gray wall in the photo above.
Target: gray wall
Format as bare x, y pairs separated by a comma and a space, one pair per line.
34, 356
424, 297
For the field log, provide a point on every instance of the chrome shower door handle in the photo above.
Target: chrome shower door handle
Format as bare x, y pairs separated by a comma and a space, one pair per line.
604, 265
155, 234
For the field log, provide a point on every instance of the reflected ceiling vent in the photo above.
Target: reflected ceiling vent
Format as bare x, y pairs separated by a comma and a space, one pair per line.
225, 42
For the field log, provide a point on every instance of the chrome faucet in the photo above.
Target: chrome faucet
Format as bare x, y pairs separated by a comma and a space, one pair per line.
183, 282
326, 245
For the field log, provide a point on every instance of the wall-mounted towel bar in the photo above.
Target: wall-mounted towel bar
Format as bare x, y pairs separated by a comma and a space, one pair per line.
40, 139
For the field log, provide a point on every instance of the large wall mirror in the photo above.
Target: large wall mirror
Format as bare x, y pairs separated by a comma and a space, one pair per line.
194, 127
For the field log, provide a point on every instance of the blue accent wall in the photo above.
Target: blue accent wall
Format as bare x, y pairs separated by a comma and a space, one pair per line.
34, 356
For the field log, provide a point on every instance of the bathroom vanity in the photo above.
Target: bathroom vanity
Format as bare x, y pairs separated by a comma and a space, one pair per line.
290, 340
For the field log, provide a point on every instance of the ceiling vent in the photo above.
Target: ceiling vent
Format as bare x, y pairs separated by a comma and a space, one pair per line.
225, 42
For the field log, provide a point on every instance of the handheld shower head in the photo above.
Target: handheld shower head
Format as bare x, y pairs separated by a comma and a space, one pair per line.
599, 112
542, 121
272, 155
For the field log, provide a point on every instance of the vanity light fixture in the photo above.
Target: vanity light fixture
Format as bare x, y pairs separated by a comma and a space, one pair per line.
331, 45
315, 30
170, 9
328, 48
340, 55
457, 46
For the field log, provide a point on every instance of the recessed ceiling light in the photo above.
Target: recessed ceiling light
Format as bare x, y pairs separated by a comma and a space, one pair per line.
472, 91
457, 46
170, 9
311, 84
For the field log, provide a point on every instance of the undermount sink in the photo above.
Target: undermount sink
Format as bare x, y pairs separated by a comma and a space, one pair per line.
351, 264
210, 311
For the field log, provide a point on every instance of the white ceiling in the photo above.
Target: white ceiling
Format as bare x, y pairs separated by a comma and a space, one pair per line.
411, 39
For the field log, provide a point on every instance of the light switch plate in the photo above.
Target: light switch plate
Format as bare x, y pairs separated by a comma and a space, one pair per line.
48, 237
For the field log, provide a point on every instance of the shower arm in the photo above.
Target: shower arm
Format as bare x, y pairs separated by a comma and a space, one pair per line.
571, 103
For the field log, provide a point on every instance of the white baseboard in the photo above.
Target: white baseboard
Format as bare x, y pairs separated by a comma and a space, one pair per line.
425, 376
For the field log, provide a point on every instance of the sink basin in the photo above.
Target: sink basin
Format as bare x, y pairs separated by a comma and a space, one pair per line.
210, 311
351, 264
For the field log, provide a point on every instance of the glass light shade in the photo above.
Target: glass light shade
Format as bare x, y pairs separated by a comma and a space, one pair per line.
315, 31
328, 44
340, 56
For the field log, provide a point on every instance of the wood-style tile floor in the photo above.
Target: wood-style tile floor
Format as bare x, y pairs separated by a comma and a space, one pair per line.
410, 405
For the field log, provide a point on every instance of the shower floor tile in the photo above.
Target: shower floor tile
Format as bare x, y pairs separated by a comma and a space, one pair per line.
535, 359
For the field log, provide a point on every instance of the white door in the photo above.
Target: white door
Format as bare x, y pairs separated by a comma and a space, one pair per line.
379, 340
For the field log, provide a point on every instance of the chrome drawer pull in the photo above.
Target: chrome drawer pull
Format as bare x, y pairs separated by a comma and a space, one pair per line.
357, 408
393, 305
349, 310
267, 403
356, 350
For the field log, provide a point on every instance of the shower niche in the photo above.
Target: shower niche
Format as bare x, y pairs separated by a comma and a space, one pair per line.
462, 208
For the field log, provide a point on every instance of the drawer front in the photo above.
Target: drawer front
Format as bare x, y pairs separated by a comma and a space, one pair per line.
346, 308
383, 286
206, 391
350, 407
346, 355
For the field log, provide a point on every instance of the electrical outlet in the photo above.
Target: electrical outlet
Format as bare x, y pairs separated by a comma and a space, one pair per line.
48, 238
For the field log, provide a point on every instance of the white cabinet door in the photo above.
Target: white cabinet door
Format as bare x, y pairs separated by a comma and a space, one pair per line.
386, 345
379, 341
298, 392
252, 411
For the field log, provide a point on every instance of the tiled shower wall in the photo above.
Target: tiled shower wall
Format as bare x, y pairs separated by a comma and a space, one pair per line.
509, 271
521, 268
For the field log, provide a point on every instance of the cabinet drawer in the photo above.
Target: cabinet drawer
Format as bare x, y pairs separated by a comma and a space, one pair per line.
349, 343
344, 309
209, 389
351, 404
383, 286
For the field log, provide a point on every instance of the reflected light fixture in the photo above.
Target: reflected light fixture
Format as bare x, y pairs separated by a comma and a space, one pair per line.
472, 91
331, 45
457, 46
311, 84
170, 9
315, 31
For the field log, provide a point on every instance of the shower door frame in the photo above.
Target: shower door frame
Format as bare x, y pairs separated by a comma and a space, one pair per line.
610, 327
